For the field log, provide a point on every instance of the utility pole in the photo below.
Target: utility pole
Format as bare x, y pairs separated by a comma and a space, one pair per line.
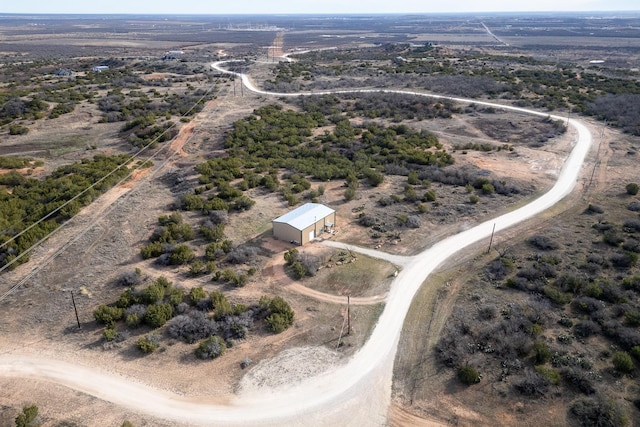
491, 241
73, 300
348, 314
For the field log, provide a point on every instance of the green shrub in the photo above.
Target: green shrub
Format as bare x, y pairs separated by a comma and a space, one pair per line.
158, 314
429, 196
152, 250
164, 282
109, 334
277, 323
541, 353
182, 254
148, 343
108, 315
127, 299
622, 362
299, 270
153, 293
197, 294
536, 329
216, 204
632, 188
27, 416
192, 202
211, 348
241, 280
632, 317
197, 268
374, 177
474, 199
488, 188
228, 275
281, 314
291, 199
220, 304
557, 296
552, 375
349, 194
18, 130
242, 203
291, 256
593, 290
175, 296
549, 373
133, 320
211, 266
213, 234
467, 374
594, 209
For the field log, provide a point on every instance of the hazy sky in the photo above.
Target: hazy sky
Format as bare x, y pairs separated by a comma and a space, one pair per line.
308, 6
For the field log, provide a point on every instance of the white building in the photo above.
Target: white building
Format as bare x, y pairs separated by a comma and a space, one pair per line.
304, 224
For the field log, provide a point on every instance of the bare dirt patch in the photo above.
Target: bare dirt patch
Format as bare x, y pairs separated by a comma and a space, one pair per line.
288, 369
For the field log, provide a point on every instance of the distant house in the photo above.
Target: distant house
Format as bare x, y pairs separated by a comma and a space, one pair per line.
304, 224
63, 72
100, 68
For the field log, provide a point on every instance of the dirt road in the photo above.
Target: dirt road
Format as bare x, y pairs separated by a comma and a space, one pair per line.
357, 393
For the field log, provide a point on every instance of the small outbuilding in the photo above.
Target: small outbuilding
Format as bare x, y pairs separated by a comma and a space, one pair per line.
304, 224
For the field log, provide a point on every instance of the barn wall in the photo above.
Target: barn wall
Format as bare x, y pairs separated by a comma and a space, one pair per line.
286, 232
305, 234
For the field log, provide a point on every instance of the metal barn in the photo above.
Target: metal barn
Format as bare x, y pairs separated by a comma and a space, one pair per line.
304, 224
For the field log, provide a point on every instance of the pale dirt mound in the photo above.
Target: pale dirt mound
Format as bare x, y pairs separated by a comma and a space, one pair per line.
287, 369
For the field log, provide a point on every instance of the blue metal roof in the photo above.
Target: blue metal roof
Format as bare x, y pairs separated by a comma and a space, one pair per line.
305, 216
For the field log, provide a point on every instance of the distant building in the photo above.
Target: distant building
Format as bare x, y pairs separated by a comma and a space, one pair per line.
304, 224
172, 55
100, 68
63, 72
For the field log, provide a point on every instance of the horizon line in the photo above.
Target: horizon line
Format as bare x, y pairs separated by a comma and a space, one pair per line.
319, 13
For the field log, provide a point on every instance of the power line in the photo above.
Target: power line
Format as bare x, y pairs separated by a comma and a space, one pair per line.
133, 157
46, 262
92, 186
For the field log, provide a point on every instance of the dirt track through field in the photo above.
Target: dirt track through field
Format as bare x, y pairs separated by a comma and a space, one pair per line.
90, 215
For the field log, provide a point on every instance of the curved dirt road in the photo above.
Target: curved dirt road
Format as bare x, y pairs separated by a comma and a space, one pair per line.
357, 393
